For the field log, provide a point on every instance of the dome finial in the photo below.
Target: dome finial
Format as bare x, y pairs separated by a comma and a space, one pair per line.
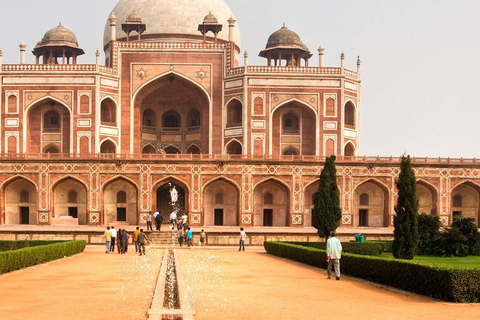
60, 24
284, 26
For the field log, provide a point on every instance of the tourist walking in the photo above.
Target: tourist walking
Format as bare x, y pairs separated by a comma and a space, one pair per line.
149, 221
334, 254
158, 221
142, 237
203, 237
125, 237
243, 236
119, 242
135, 238
114, 236
189, 237
173, 219
184, 221
108, 239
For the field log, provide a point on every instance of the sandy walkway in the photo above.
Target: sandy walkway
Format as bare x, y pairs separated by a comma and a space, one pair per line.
92, 285
226, 284
223, 284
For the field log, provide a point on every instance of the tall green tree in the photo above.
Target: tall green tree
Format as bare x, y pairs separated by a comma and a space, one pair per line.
406, 220
326, 212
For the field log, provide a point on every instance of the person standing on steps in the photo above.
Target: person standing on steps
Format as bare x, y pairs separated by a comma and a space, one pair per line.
158, 221
189, 237
149, 221
142, 237
334, 254
173, 219
243, 236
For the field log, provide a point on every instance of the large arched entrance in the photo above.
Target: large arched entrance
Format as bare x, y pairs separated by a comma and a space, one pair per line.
465, 201
221, 204
294, 130
171, 196
70, 199
120, 202
370, 205
20, 202
272, 203
175, 109
48, 128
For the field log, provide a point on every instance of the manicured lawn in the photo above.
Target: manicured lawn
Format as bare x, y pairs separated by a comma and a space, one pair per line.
469, 262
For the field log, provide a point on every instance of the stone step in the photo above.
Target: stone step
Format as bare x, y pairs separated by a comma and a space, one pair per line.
163, 238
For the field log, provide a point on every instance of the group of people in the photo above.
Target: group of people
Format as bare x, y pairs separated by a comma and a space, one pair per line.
116, 238
121, 239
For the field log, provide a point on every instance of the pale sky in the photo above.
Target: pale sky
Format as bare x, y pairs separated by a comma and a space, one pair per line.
420, 59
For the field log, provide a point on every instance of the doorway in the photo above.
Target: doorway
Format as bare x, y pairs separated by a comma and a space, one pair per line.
73, 212
122, 214
268, 217
170, 197
24, 215
218, 217
363, 218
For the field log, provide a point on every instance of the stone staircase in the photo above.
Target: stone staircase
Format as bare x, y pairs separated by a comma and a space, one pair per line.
163, 238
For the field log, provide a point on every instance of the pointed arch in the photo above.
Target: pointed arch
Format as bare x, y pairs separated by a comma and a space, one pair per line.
350, 113
226, 211
108, 111
377, 212
165, 180
6, 182
69, 176
349, 149
283, 183
108, 146
226, 179
119, 177
149, 149
276, 214
15, 211
234, 147
172, 149
113, 211
469, 191
194, 149
286, 102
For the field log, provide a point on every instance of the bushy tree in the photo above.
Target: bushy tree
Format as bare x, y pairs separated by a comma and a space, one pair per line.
469, 229
428, 230
406, 220
451, 242
326, 212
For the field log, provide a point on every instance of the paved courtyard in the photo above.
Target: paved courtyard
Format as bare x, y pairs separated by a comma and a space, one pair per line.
222, 283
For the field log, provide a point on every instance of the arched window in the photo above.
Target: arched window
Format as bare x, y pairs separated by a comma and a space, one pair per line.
364, 199
193, 118
349, 150
108, 113
350, 114
234, 148
171, 121
72, 196
193, 149
51, 121
291, 124
149, 118
290, 152
330, 107
24, 196
234, 113
171, 150
149, 149
258, 106
457, 201
51, 149
121, 197
219, 198
268, 198
330, 147
108, 147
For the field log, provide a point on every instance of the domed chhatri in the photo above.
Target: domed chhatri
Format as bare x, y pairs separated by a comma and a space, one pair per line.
173, 18
58, 43
210, 23
286, 44
59, 35
133, 23
134, 18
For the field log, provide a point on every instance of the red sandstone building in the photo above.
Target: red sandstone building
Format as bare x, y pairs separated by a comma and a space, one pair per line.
177, 105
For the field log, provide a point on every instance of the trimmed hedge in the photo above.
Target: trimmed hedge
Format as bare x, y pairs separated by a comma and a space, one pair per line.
437, 281
26, 257
6, 245
366, 248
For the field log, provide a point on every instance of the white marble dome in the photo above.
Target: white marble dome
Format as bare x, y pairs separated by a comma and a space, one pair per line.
172, 17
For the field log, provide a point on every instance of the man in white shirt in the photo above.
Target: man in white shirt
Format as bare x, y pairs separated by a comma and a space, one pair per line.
243, 235
114, 236
173, 219
334, 254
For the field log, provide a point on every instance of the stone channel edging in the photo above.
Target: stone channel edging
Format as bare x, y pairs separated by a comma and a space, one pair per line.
157, 310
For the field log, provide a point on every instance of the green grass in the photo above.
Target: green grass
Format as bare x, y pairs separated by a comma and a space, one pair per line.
466, 262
